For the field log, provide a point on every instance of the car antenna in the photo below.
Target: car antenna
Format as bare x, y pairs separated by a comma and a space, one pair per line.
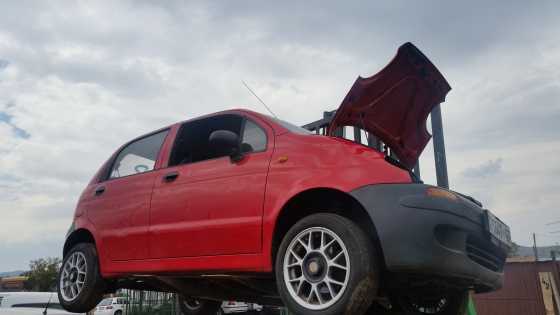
255, 95
47, 305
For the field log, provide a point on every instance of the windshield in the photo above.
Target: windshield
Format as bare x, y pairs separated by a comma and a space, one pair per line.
106, 302
291, 127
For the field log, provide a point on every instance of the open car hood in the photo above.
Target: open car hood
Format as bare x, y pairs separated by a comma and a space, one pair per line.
394, 104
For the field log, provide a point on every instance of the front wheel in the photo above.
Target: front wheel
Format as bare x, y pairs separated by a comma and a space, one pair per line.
445, 304
453, 303
193, 306
80, 286
326, 265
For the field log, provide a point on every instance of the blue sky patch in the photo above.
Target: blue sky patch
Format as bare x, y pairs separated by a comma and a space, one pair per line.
19, 132
4, 64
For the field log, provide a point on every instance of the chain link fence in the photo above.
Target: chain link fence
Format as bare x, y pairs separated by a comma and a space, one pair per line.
162, 303
150, 303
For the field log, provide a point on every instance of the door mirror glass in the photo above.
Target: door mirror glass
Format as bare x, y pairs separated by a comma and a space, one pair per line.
224, 143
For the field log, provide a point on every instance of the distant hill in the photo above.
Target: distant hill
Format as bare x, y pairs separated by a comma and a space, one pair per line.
11, 273
543, 252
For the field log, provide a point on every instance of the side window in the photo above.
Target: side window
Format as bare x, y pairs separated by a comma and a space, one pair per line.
191, 144
254, 138
139, 156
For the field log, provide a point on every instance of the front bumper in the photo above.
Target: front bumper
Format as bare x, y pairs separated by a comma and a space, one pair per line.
423, 235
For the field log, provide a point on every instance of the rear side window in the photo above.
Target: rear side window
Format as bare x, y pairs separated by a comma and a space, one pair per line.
138, 157
254, 138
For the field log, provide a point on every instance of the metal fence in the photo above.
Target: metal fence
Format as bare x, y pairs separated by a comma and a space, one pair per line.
150, 303
163, 303
320, 127
356, 134
530, 288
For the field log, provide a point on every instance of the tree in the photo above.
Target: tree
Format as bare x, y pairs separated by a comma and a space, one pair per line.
42, 274
513, 251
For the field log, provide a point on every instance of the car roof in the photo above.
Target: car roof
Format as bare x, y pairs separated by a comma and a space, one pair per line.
239, 111
115, 297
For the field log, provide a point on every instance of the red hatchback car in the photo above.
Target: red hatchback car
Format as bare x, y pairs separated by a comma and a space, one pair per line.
240, 206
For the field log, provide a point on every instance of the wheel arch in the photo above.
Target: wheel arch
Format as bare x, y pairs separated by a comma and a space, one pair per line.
323, 200
78, 236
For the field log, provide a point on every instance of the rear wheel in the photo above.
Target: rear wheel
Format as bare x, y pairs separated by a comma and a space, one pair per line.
194, 306
80, 286
326, 265
271, 310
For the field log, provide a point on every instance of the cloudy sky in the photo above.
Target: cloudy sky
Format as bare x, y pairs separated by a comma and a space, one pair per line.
77, 79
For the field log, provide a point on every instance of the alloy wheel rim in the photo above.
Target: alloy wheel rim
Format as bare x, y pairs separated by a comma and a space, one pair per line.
316, 268
73, 276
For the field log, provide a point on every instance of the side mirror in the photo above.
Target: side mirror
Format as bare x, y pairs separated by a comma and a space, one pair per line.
225, 143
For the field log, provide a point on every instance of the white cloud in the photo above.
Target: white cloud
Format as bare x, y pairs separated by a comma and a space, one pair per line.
83, 78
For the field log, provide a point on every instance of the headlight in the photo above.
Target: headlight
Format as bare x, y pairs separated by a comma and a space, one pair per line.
441, 193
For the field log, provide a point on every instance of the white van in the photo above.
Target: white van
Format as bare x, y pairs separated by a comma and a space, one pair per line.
28, 303
111, 306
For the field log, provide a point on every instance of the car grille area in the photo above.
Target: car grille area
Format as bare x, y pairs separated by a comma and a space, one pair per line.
484, 254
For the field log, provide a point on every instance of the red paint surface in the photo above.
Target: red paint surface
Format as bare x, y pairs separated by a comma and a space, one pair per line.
218, 215
395, 103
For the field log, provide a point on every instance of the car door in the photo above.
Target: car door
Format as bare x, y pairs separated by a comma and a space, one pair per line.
211, 205
120, 203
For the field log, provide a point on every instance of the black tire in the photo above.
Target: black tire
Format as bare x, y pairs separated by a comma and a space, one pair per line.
363, 264
93, 287
271, 310
118, 312
454, 303
194, 306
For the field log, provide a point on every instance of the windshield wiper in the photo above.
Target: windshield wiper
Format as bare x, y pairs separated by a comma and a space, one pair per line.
398, 163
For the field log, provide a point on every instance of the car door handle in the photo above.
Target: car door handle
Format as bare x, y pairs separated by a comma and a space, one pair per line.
99, 190
169, 177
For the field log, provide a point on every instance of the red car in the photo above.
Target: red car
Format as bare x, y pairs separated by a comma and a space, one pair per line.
240, 206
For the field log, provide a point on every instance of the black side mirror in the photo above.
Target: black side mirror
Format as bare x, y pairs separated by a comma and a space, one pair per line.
225, 143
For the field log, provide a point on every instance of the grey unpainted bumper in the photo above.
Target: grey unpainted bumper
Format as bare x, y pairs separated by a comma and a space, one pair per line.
422, 235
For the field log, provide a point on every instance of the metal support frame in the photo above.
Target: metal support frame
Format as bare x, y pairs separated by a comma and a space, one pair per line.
439, 148
320, 127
